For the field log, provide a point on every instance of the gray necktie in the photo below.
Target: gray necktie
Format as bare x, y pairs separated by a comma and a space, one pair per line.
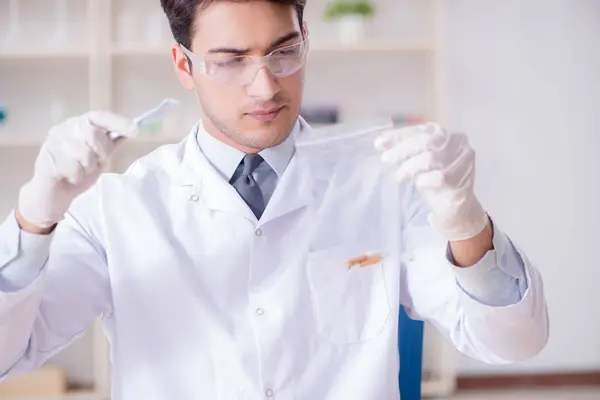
243, 181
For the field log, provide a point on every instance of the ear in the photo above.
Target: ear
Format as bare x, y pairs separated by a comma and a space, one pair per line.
304, 30
182, 68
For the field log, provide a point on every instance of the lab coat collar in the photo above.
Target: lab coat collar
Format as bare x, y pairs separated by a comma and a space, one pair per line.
293, 191
207, 182
223, 157
226, 158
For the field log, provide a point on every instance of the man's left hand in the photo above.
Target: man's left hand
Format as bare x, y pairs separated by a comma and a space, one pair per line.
442, 166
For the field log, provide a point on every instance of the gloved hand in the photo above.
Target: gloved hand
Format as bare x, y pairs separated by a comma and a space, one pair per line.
442, 166
73, 156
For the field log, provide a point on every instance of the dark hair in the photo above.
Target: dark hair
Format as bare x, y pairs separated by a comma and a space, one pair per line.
181, 15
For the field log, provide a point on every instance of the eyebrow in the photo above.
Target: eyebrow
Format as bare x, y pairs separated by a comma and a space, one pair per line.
238, 51
285, 38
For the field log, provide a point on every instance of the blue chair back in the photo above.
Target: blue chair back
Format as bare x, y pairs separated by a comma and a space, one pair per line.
410, 346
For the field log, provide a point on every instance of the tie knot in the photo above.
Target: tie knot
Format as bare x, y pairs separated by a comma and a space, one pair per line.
246, 167
249, 163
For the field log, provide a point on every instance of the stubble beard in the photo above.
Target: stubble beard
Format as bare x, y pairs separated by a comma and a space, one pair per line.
254, 141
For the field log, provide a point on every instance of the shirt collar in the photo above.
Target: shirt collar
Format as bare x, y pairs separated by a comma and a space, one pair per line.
226, 158
278, 157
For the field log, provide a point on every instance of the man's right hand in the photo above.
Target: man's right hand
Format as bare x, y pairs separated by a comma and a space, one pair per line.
70, 161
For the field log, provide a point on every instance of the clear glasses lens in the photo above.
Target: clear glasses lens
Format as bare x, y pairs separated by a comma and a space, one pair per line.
241, 70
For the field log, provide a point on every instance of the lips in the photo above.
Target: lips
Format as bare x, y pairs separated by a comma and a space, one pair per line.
266, 115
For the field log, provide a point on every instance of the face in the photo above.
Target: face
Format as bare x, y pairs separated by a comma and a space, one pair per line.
259, 113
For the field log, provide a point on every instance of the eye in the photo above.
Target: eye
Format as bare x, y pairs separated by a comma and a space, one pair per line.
229, 62
287, 51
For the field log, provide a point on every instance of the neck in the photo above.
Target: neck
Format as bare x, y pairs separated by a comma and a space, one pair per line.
217, 134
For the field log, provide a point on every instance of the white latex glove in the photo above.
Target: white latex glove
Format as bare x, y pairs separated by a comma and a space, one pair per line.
73, 156
442, 166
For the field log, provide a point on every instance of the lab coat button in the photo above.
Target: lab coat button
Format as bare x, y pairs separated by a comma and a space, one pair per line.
194, 198
269, 393
258, 232
260, 311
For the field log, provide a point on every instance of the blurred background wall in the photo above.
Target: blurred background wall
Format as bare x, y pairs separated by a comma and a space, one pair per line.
523, 84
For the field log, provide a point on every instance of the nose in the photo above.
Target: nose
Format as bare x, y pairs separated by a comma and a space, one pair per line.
264, 86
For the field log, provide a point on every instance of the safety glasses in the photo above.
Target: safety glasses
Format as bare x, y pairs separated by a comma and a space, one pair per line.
241, 70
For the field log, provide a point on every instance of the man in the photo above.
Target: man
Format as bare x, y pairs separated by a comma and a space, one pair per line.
216, 269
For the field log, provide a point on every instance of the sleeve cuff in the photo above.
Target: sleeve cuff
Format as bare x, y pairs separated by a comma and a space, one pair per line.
22, 255
499, 278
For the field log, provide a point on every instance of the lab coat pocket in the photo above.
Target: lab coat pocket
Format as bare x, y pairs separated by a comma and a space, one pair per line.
350, 304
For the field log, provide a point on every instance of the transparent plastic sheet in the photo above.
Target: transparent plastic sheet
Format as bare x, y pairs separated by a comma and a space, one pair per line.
357, 195
348, 141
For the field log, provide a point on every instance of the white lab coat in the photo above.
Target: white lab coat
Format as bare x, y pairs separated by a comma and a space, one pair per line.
201, 301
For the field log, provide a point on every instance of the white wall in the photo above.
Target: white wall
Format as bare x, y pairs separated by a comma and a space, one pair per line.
524, 84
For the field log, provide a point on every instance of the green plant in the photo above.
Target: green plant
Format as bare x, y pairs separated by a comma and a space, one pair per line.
341, 8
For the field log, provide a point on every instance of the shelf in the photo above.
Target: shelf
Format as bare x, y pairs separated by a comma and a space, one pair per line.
83, 395
153, 140
24, 141
141, 50
11, 140
27, 53
373, 46
440, 387
315, 47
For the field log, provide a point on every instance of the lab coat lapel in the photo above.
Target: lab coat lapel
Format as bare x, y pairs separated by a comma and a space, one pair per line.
213, 190
294, 190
